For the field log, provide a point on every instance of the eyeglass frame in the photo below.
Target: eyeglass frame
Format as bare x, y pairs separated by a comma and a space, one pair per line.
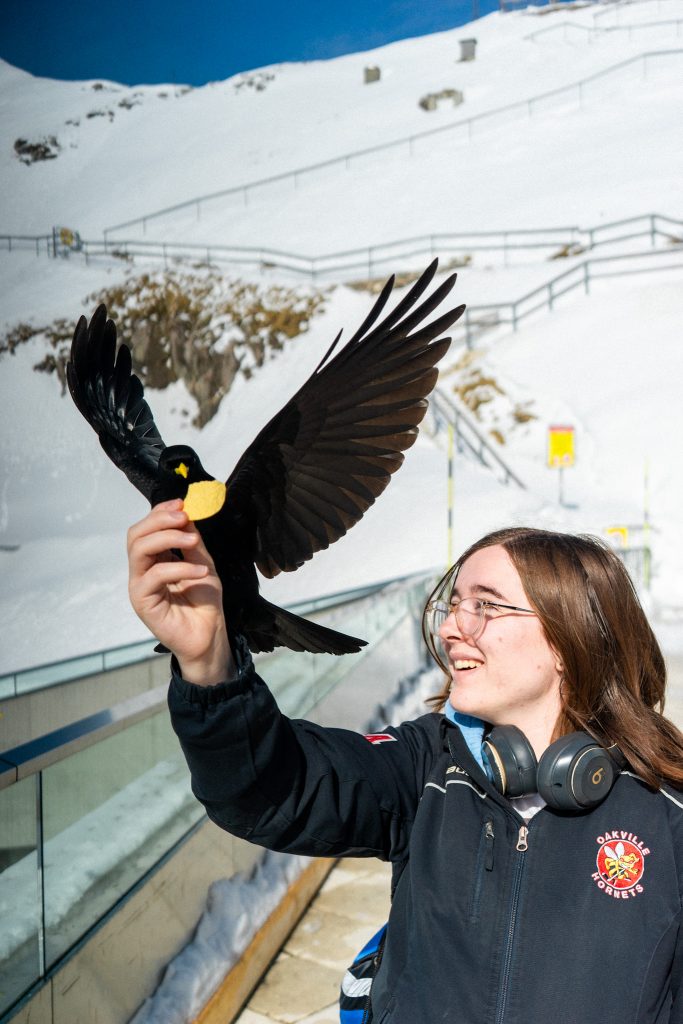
453, 606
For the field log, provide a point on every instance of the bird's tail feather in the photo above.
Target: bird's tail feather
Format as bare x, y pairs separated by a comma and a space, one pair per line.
285, 629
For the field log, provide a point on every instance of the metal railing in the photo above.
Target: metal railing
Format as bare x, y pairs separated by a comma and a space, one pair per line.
579, 276
616, 6
14, 684
553, 242
595, 30
38, 677
405, 143
468, 438
89, 811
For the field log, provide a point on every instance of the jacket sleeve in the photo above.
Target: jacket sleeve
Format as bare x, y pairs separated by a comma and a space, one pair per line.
292, 785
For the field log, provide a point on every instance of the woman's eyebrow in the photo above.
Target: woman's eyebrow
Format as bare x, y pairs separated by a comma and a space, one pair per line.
480, 588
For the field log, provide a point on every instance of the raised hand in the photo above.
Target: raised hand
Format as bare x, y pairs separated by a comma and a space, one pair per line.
179, 600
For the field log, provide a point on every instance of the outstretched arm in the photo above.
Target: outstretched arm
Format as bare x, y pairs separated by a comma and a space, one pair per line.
180, 601
287, 785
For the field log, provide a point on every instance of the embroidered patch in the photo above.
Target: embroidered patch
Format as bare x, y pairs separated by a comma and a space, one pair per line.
621, 864
380, 737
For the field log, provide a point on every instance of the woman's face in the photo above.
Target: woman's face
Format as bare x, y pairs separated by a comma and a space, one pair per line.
508, 674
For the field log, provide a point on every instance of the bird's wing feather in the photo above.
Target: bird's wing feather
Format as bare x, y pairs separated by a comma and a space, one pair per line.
111, 397
324, 458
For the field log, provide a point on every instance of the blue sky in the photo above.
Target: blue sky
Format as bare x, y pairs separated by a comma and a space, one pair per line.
140, 42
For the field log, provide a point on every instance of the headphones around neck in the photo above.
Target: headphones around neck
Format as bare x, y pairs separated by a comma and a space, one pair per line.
573, 774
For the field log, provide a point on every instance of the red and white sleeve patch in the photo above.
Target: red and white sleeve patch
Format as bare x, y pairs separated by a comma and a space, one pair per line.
380, 737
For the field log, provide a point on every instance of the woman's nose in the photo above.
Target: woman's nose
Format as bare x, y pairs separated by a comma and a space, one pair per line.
449, 628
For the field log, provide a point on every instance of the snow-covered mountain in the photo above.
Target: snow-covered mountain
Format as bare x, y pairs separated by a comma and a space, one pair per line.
608, 362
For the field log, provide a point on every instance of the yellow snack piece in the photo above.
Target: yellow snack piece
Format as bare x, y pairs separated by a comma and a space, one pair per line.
204, 499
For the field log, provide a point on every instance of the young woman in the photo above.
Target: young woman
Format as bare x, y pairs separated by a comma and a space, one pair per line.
512, 905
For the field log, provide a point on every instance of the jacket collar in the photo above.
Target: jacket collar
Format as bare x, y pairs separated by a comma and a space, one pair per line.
455, 746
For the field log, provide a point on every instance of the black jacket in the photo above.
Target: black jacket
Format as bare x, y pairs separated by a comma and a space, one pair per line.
576, 920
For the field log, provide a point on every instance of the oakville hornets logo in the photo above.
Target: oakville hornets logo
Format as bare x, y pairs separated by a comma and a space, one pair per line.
620, 864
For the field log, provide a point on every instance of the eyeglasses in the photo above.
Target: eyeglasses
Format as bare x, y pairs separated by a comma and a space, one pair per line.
469, 614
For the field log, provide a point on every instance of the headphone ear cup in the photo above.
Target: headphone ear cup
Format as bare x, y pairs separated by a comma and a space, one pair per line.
510, 760
575, 773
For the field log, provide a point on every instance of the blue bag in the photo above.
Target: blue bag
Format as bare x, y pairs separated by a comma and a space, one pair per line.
354, 999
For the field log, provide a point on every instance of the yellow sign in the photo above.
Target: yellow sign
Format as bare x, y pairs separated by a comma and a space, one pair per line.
618, 535
560, 446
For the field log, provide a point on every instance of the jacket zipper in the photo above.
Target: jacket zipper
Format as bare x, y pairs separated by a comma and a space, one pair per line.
521, 847
484, 862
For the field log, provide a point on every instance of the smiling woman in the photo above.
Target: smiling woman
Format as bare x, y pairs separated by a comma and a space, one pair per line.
589, 647
527, 825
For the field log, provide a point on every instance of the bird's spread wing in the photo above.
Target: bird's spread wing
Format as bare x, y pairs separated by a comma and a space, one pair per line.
319, 464
111, 397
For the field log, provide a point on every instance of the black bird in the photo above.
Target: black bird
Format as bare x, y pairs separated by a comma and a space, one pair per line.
305, 479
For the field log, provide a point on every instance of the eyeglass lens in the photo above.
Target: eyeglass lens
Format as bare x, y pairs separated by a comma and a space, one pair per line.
468, 615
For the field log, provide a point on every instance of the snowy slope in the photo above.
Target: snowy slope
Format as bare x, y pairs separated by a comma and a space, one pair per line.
609, 362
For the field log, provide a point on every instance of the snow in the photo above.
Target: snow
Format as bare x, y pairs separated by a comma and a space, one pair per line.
89, 857
608, 363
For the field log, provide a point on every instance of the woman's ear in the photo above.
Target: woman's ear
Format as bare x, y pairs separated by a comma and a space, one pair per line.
559, 667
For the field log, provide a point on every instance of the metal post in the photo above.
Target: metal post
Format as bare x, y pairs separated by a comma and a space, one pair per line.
586, 278
40, 865
451, 460
550, 295
514, 316
653, 230
646, 527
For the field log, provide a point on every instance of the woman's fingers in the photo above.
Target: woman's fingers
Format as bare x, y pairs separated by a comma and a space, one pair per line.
165, 528
179, 599
148, 547
169, 574
168, 515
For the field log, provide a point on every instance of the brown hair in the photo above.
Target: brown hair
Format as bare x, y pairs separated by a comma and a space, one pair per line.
613, 670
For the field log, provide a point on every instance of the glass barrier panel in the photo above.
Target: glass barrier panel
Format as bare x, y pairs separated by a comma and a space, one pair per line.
63, 671
110, 812
130, 654
20, 933
300, 681
7, 687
